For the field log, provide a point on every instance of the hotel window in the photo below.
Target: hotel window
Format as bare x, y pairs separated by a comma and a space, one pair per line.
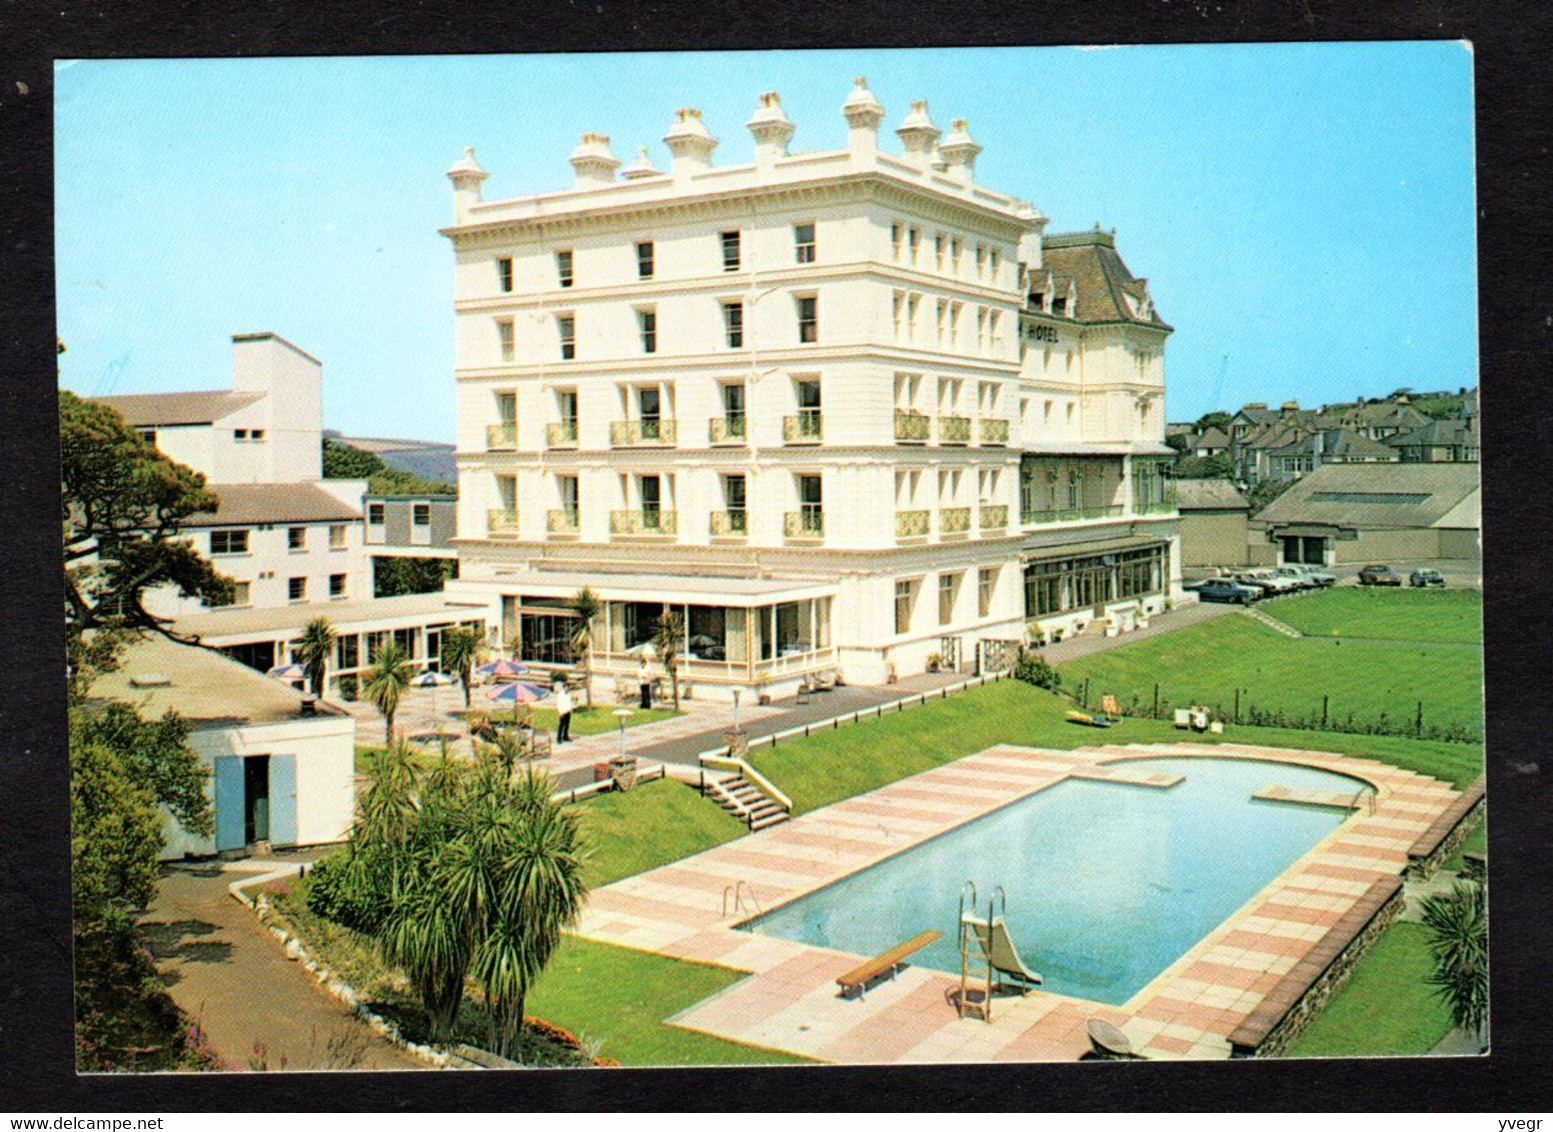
375, 514
420, 514
296, 538
649, 410
644, 264
956, 246
948, 587
733, 408
981, 331
296, 589
996, 262
954, 324
647, 326
995, 331
943, 323
733, 325
940, 247
566, 328
898, 314
337, 534
981, 261
913, 326
737, 502
571, 499
256, 434
905, 598
811, 504
506, 339
730, 251
986, 586
566, 410
808, 318
504, 273
240, 434
336, 585
563, 268
241, 593
803, 243
229, 542
897, 238
914, 242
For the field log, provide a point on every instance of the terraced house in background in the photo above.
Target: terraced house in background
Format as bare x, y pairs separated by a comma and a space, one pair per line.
845, 410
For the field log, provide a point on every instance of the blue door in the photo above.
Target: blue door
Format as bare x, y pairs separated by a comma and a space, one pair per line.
229, 803
283, 799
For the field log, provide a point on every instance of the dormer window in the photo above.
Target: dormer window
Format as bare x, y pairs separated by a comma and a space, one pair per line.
1060, 305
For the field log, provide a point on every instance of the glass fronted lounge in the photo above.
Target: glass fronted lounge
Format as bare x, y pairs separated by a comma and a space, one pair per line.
1090, 582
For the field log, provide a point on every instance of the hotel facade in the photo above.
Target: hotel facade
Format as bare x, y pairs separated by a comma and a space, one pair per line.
846, 411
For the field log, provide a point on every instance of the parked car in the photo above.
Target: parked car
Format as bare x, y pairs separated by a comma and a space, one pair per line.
1226, 589
1268, 581
1422, 578
1379, 576
1311, 579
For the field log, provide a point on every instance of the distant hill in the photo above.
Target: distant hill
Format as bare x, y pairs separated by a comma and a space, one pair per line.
430, 460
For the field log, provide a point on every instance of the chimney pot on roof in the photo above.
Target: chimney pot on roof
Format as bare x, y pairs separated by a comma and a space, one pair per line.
771, 129
690, 143
918, 135
959, 151
466, 176
641, 167
594, 163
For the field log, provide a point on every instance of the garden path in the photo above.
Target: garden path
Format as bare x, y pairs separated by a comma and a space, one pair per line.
226, 971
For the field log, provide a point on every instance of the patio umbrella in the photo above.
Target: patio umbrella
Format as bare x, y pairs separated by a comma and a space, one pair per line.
288, 672
518, 692
646, 650
432, 680
503, 668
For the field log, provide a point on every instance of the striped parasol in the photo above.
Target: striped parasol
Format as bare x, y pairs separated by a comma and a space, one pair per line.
500, 668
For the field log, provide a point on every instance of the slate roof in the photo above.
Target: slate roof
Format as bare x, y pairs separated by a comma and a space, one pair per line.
1211, 438
247, 504
1437, 434
1104, 282
1209, 495
1362, 491
201, 407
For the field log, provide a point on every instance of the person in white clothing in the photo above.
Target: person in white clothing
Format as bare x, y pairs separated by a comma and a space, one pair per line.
563, 708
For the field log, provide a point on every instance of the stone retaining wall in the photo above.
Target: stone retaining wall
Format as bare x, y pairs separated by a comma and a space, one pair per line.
1441, 840
1272, 1027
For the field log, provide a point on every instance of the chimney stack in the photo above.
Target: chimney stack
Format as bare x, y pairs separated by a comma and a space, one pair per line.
863, 114
641, 167
690, 143
772, 130
594, 164
919, 136
466, 176
959, 152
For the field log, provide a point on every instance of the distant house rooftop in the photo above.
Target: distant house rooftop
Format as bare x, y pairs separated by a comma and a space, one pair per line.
1377, 496
1209, 495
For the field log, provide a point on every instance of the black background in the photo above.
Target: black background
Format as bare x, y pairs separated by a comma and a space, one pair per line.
1512, 62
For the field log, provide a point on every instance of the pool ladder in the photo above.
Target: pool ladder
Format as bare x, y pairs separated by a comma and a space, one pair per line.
968, 900
1359, 795
735, 892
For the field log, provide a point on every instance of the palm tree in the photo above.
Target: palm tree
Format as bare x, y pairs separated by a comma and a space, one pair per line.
460, 648
585, 606
387, 680
314, 651
670, 631
1458, 926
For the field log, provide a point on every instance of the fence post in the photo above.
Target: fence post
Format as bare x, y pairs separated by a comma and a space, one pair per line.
1156, 704
1418, 720
1323, 711
1237, 705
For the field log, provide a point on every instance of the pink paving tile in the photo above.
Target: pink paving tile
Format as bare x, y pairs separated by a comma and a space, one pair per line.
885, 1035
705, 946
681, 877
1222, 975
607, 900
839, 845
1168, 1044
1270, 944
776, 862
887, 809
1297, 915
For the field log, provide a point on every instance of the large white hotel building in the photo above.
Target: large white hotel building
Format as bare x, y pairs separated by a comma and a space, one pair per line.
844, 409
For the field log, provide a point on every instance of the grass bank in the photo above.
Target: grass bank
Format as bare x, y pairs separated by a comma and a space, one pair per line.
1446, 616
649, 826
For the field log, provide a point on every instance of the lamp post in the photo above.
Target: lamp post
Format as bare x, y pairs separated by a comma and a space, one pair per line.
736, 709
623, 714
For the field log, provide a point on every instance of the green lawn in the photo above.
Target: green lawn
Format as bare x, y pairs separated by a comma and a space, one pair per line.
1386, 1008
590, 720
618, 998
1394, 615
1206, 662
649, 826
832, 765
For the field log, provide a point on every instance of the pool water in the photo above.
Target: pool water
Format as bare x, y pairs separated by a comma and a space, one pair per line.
1107, 884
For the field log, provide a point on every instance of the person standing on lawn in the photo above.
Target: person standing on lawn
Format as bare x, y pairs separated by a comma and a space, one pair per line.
563, 709
644, 684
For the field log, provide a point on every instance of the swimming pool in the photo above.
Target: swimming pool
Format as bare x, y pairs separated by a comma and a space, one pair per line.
1107, 884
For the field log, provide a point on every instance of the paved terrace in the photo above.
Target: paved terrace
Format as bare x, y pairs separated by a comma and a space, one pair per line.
791, 1001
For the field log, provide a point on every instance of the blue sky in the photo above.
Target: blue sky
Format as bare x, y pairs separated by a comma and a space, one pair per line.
1304, 210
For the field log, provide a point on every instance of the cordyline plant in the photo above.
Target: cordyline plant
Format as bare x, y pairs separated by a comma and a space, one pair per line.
1458, 928
460, 871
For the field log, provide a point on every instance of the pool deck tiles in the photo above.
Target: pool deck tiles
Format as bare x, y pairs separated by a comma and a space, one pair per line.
790, 1000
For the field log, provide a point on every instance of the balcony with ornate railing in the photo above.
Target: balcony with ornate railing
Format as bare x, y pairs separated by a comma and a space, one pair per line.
912, 427
954, 430
994, 430
727, 429
563, 522
646, 523
1074, 514
561, 434
657, 432
806, 524
730, 524
806, 427
954, 521
502, 436
993, 517
501, 521
912, 524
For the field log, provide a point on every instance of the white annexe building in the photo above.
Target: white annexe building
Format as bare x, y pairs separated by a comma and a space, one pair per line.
844, 410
